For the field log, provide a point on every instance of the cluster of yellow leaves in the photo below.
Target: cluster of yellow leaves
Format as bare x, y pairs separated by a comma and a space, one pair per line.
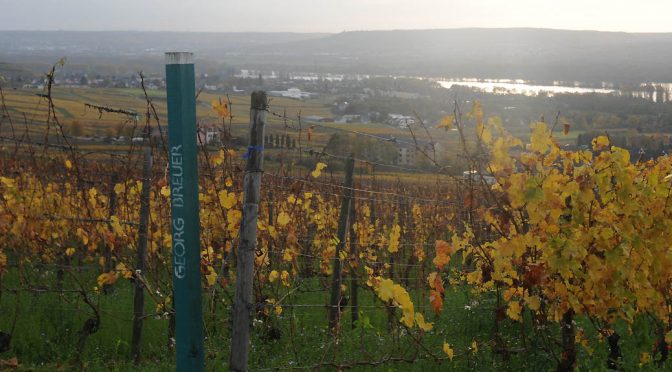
124, 271
304, 225
388, 291
221, 108
395, 234
446, 122
586, 231
221, 156
277, 308
284, 277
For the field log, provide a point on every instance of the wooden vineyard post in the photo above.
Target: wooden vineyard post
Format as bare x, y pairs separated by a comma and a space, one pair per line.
185, 223
334, 304
354, 254
141, 257
242, 305
107, 250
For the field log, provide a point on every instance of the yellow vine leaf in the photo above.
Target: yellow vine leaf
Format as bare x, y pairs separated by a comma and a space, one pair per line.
227, 199
116, 225
124, 270
8, 182
540, 141
283, 218
408, 319
284, 277
476, 112
119, 188
483, 133
386, 289
395, 233
446, 122
448, 350
600, 143
107, 278
68, 164
165, 191
533, 302
420, 320
219, 158
211, 276
222, 109
513, 311
273, 276
70, 251
318, 169
645, 358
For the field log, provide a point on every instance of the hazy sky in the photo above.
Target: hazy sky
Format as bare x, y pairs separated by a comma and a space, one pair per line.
333, 15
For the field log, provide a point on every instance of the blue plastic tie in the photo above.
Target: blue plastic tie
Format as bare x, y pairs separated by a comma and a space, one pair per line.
251, 149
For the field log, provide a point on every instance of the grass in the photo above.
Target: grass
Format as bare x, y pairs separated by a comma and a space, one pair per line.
48, 325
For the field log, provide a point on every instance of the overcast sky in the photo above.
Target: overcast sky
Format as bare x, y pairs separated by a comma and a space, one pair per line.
333, 15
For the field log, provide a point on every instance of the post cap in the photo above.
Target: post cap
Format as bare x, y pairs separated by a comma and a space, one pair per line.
259, 100
179, 58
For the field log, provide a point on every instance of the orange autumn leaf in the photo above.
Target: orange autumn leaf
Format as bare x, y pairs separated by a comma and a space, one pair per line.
436, 301
443, 252
222, 109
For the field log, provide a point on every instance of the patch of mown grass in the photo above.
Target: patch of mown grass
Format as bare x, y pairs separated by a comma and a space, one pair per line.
48, 326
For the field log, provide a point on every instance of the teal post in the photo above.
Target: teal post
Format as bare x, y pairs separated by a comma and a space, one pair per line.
181, 93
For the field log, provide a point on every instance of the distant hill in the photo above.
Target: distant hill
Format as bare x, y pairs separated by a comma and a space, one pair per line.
139, 42
525, 53
532, 54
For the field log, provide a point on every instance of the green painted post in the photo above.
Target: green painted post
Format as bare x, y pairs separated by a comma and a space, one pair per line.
181, 93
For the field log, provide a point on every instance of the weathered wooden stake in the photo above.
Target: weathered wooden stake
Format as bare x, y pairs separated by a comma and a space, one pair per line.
335, 309
107, 250
141, 256
243, 304
354, 253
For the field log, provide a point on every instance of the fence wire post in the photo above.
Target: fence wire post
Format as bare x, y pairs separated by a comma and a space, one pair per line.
354, 255
335, 308
141, 257
243, 304
185, 222
107, 250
